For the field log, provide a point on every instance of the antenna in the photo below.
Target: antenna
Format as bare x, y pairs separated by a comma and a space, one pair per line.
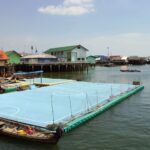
32, 49
36, 51
108, 51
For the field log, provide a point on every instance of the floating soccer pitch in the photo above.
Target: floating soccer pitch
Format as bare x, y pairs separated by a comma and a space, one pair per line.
60, 103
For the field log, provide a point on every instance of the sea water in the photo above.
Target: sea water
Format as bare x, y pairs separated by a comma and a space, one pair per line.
125, 126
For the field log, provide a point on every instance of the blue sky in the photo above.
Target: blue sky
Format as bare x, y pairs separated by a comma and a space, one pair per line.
121, 25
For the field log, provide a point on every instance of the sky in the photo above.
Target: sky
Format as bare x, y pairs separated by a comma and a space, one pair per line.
117, 27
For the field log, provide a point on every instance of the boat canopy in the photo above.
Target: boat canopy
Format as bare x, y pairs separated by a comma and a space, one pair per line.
28, 73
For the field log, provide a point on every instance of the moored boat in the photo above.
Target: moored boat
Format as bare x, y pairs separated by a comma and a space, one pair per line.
12, 86
126, 69
131, 70
109, 65
28, 132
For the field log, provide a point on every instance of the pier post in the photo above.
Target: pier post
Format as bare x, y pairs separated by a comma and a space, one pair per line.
32, 67
59, 67
87, 68
50, 68
66, 67
41, 67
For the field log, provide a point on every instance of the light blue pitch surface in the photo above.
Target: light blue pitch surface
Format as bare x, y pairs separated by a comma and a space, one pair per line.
43, 106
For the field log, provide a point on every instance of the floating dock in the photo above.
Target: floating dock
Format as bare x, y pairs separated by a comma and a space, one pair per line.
69, 104
75, 123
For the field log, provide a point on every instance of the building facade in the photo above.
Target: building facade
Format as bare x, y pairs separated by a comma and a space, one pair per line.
69, 53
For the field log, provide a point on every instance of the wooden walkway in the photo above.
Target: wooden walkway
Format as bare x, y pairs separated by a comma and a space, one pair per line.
52, 67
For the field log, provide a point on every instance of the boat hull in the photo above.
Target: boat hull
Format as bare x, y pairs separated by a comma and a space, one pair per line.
52, 140
130, 70
49, 137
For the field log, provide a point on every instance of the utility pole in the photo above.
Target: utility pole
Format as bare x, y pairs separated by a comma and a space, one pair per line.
108, 53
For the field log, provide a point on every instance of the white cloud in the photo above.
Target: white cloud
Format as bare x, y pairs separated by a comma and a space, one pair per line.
69, 7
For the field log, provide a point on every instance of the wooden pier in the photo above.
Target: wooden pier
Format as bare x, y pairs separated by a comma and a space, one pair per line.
53, 67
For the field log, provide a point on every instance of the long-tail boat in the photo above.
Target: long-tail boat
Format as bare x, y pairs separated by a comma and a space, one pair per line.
29, 132
126, 69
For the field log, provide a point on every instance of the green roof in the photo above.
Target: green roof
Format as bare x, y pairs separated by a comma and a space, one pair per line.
14, 57
91, 59
66, 48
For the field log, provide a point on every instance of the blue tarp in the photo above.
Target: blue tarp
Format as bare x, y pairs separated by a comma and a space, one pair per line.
42, 106
27, 73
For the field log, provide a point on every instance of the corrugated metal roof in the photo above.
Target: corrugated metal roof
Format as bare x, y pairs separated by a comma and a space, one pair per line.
38, 56
66, 48
3, 56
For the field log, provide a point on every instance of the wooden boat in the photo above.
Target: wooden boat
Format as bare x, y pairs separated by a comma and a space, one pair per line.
131, 70
13, 85
16, 82
30, 133
126, 69
109, 65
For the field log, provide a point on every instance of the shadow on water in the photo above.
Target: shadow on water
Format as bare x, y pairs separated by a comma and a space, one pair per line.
7, 143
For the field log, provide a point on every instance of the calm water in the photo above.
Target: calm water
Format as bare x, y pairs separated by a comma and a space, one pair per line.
123, 127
